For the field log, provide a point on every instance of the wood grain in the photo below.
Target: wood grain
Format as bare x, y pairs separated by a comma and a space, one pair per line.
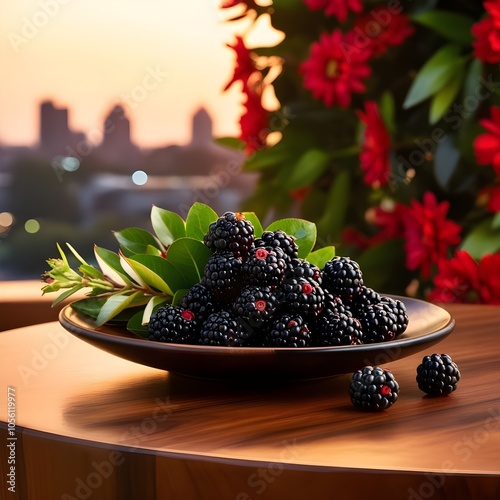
211, 439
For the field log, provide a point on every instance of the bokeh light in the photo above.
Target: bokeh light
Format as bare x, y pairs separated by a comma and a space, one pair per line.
32, 226
139, 177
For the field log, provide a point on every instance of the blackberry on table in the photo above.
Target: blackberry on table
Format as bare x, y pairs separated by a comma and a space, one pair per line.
342, 276
279, 239
265, 266
172, 324
199, 300
223, 276
230, 232
302, 296
255, 305
438, 375
332, 329
300, 268
373, 389
288, 331
222, 328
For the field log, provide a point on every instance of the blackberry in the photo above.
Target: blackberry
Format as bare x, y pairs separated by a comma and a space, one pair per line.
172, 324
367, 297
379, 324
288, 331
255, 305
199, 300
373, 389
334, 304
302, 296
279, 239
398, 309
222, 329
222, 276
265, 266
437, 375
336, 329
300, 268
230, 232
342, 276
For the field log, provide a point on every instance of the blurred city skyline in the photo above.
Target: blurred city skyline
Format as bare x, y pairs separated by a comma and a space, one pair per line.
160, 60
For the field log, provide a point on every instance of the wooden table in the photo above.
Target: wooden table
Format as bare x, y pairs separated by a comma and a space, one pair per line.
90, 425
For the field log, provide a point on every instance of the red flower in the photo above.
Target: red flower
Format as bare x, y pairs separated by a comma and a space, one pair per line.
389, 222
463, 280
487, 33
381, 29
335, 69
374, 156
428, 233
338, 8
254, 126
244, 67
487, 146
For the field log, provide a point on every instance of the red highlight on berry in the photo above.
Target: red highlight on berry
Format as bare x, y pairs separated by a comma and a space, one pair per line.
307, 288
261, 253
187, 314
385, 390
260, 305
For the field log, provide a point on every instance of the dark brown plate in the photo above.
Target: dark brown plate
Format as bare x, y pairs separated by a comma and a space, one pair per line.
428, 325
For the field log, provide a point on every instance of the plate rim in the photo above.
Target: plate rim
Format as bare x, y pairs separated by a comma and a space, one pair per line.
93, 333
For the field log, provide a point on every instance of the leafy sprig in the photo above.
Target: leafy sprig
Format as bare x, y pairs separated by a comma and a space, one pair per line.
151, 269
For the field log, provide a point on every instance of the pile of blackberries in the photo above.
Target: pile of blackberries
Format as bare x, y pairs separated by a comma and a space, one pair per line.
257, 292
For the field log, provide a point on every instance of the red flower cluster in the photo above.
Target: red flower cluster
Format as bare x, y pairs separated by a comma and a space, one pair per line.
254, 121
463, 280
374, 156
335, 69
487, 146
487, 33
337, 8
381, 29
428, 233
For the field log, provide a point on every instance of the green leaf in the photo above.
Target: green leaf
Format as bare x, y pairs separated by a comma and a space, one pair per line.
88, 270
495, 223
444, 98
153, 270
332, 221
76, 254
387, 255
321, 256
167, 225
483, 239
189, 257
179, 295
302, 230
433, 75
451, 25
266, 158
136, 327
308, 168
117, 303
89, 306
231, 143
198, 219
257, 226
134, 240
446, 161
66, 294
387, 108
110, 265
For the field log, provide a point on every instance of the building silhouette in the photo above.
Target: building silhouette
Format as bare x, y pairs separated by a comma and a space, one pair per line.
55, 135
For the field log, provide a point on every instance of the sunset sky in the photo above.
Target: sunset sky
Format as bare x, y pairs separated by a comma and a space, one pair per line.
89, 54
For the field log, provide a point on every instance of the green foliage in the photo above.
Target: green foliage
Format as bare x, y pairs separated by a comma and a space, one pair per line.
129, 285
